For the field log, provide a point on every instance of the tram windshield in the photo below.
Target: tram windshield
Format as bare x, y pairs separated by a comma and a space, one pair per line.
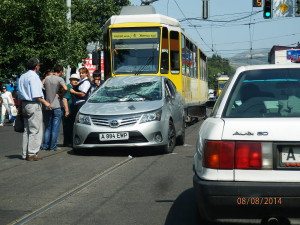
135, 50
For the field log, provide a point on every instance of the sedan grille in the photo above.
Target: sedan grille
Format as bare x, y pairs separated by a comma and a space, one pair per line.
114, 121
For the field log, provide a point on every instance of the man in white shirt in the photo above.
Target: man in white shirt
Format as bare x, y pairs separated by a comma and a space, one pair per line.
31, 96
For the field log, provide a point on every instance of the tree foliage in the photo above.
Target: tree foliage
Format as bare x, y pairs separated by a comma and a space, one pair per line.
39, 28
218, 66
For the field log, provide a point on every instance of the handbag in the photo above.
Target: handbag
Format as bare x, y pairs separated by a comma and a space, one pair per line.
19, 124
14, 111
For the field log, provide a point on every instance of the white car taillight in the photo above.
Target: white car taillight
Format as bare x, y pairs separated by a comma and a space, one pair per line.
232, 155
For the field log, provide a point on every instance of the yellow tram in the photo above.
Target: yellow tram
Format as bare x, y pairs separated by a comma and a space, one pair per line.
222, 80
141, 42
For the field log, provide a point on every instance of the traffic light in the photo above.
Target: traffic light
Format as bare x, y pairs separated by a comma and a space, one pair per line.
297, 13
205, 9
268, 9
257, 3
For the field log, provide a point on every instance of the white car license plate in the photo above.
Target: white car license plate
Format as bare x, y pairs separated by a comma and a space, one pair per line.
290, 154
114, 136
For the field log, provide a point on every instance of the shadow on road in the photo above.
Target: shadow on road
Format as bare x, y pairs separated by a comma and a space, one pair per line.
134, 152
184, 210
14, 157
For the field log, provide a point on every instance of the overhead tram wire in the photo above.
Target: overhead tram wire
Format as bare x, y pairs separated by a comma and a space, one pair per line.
231, 22
220, 21
211, 37
194, 27
261, 39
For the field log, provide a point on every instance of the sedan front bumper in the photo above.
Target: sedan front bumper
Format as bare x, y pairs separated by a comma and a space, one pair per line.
140, 135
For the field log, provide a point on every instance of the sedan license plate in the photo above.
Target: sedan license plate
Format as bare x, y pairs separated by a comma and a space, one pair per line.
290, 155
114, 136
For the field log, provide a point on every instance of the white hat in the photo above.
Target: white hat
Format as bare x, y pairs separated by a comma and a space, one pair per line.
75, 76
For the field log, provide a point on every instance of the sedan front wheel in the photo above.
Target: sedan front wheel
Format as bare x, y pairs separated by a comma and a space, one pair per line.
171, 139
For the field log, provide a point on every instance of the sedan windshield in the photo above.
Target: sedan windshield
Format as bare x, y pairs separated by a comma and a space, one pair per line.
133, 88
135, 50
265, 93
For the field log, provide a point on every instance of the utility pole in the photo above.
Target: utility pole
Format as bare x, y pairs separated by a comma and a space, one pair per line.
68, 70
69, 3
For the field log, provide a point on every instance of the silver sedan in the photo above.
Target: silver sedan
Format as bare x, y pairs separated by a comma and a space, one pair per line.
132, 111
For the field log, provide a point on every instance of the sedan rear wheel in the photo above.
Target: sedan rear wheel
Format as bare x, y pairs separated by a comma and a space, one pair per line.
171, 139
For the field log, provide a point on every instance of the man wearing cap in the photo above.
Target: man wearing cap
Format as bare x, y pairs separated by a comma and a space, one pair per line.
69, 112
31, 96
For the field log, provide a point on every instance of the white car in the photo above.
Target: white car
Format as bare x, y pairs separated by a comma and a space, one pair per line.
247, 161
211, 95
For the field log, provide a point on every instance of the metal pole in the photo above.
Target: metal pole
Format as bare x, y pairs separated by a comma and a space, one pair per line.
68, 70
69, 3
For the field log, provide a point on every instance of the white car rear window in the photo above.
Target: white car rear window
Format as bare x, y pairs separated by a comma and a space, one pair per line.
265, 93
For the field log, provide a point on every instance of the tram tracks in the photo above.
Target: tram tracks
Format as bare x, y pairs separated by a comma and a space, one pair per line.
26, 218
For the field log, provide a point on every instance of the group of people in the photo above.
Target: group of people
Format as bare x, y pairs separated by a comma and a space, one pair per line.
49, 101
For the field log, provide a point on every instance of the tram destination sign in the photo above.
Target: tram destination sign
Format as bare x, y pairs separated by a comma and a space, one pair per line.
134, 35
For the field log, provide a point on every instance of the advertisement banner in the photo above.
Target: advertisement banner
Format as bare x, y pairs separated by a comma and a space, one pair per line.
293, 55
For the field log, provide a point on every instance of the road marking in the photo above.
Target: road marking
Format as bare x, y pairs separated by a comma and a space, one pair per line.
70, 193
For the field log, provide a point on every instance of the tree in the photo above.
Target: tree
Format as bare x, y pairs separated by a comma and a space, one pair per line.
217, 65
39, 28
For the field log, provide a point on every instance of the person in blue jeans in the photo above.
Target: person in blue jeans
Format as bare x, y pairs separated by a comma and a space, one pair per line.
55, 88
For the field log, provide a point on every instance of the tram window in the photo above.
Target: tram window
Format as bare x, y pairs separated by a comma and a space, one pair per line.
183, 55
174, 45
164, 67
195, 62
134, 53
203, 70
189, 58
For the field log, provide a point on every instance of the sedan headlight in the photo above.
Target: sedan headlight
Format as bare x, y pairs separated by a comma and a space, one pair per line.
151, 116
84, 119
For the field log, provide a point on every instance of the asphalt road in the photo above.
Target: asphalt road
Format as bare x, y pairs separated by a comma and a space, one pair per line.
105, 187
109, 187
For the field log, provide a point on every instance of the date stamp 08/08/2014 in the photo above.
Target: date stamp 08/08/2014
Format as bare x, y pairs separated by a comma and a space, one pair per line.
259, 201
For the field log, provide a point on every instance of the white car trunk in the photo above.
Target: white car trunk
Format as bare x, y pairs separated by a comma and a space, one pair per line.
262, 129
265, 130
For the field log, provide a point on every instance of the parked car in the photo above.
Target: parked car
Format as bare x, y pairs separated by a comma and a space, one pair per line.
247, 161
132, 111
211, 95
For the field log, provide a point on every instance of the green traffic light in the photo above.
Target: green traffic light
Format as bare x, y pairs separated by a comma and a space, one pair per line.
267, 14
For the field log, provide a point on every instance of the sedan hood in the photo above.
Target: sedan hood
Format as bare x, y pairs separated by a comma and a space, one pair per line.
264, 129
117, 108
